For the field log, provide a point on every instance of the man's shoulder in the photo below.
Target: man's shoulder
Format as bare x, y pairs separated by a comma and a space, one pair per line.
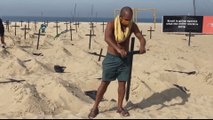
110, 24
134, 25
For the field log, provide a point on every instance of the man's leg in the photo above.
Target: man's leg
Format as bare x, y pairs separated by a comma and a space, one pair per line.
2, 40
121, 93
100, 92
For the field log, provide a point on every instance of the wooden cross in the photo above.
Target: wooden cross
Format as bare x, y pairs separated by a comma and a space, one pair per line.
35, 25
15, 27
21, 22
71, 30
150, 30
25, 30
28, 24
92, 27
56, 27
66, 23
103, 26
8, 25
39, 34
132, 52
90, 37
76, 25
100, 55
190, 35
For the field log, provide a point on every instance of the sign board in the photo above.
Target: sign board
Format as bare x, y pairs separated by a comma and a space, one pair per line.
182, 23
208, 24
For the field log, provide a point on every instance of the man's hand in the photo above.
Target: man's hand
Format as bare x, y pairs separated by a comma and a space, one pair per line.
122, 52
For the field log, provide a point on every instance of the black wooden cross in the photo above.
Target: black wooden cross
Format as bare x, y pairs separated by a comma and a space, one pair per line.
96, 54
35, 25
15, 27
25, 30
39, 34
150, 30
56, 27
28, 24
76, 25
131, 53
8, 25
66, 23
90, 37
190, 35
103, 26
92, 27
21, 22
71, 30
100, 55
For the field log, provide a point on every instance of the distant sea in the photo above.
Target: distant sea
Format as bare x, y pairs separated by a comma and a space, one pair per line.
65, 19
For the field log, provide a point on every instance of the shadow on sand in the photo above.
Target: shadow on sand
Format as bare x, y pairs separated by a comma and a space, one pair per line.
160, 99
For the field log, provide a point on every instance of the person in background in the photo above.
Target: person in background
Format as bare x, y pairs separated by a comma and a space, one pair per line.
43, 27
2, 34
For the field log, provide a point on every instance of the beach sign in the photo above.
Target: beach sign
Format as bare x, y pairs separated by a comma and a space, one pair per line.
207, 25
182, 24
197, 24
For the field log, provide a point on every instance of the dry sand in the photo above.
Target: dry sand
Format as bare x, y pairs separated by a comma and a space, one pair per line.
30, 88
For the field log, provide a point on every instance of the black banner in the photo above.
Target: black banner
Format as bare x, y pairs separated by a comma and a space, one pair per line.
182, 23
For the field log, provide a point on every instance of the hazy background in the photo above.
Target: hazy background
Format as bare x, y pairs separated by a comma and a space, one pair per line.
101, 8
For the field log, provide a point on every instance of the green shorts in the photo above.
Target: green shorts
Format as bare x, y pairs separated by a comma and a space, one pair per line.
115, 67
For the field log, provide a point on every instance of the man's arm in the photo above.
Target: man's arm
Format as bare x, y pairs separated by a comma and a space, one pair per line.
140, 37
110, 39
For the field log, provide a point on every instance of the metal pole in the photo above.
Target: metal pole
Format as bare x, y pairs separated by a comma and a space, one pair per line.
194, 7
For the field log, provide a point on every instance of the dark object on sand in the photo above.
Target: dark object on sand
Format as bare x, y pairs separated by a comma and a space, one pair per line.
12, 80
188, 73
92, 94
59, 69
182, 88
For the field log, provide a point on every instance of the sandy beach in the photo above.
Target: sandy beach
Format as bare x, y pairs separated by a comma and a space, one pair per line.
172, 80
